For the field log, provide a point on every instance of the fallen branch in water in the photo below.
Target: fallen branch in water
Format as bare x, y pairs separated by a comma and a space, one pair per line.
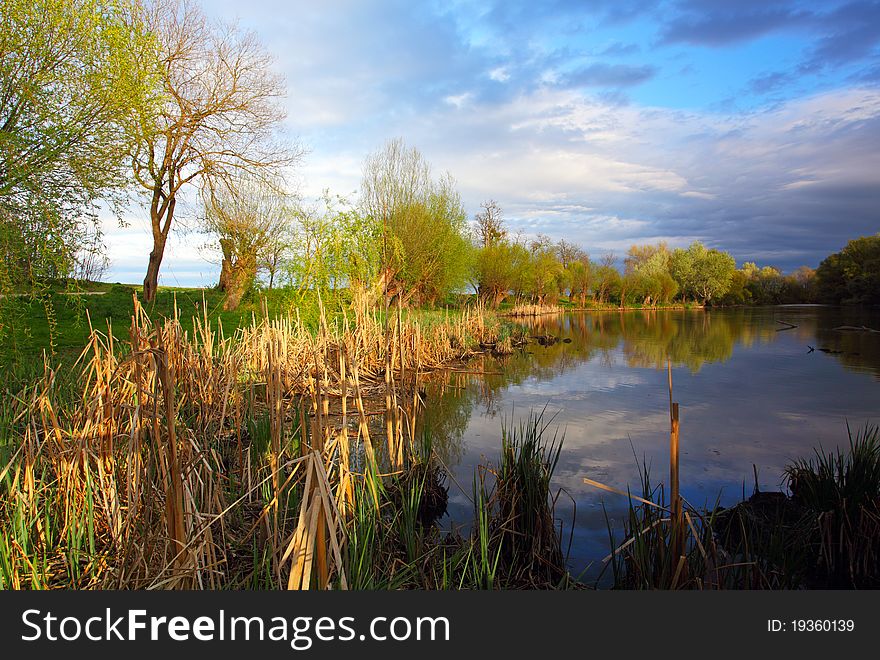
853, 328
790, 326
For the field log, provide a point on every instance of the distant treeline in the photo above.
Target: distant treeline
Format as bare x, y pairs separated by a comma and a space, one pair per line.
541, 271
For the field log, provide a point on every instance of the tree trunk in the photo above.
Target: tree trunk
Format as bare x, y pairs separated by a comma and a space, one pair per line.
160, 238
151, 281
236, 275
238, 283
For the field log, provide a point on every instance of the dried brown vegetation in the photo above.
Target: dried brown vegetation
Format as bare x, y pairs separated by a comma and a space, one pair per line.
201, 460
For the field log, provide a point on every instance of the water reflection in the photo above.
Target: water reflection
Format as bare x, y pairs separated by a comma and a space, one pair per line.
752, 394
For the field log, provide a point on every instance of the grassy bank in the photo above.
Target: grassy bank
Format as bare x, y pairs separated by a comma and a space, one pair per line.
270, 457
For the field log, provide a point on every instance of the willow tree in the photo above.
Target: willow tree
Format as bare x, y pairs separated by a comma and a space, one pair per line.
71, 75
580, 278
247, 217
701, 272
218, 119
425, 250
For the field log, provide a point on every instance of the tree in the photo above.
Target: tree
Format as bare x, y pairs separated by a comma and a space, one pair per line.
490, 224
568, 253
333, 244
700, 272
72, 72
495, 271
668, 288
546, 274
650, 258
630, 283
580, 278
523, 270
278, 247
219, 113
607, 278
801, 285
246, 216
765, 285
425, 249
853, 274
436, 253
737, 292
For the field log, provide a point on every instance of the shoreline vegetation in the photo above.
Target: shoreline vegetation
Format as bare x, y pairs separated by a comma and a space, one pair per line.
275, 457
279, 456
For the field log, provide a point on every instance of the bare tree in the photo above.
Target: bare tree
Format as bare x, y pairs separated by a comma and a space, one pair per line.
541, 243
277, 249
218, 118
91, 262
568, 253
490, 223
394, 179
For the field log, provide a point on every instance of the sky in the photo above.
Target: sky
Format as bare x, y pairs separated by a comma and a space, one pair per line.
753, 127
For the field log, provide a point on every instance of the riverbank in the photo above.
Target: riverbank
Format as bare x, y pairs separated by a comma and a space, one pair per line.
273, 457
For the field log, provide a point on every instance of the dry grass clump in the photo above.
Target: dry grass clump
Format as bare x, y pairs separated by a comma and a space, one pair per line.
534, 310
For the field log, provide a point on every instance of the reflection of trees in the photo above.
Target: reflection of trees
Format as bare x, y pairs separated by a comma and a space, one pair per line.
449, 401
649, 337
690, 340
856, 350
646, 338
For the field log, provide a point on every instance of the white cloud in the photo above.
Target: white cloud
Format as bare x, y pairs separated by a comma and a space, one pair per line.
458, 100
499, 74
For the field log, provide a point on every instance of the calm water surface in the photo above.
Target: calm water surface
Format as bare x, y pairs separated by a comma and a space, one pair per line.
751, 394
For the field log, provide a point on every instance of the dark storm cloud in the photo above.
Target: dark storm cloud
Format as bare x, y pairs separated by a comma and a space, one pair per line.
844, 33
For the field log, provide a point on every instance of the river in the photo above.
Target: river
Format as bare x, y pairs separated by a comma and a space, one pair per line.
753, 396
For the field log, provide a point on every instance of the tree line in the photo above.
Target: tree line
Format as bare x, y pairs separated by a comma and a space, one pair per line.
408, 238
101, 99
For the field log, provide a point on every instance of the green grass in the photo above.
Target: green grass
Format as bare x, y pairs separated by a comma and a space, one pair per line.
58, 323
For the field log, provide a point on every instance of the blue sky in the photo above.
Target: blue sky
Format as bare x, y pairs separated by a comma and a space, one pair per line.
752, 126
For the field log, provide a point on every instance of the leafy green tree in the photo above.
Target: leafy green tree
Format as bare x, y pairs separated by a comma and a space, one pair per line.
702, 273
425, 246
580, 278
667, 288
547, 275
606, 282
765, 285
495, 271
648, 258
853, 274
737, 293
72, 73
631, 284
523, 271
